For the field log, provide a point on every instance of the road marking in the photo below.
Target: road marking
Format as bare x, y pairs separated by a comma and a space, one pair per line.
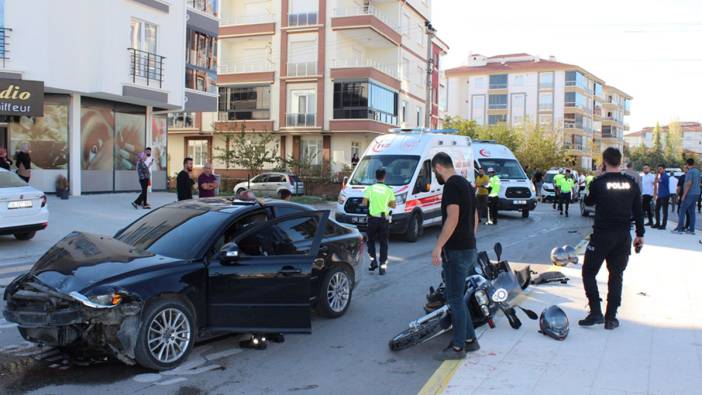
172, 381
6, 325
440, 379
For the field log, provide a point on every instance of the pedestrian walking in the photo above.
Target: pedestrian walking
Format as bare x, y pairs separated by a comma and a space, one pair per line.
207, 182
629, 171
149, 161
184, 181
493, 196
617, 198
647, 185
144, 179
661, 194
482, 181
380, 200
673, 191
23, 161
566, 188
690, 194
455, 251
538, 180
5, 162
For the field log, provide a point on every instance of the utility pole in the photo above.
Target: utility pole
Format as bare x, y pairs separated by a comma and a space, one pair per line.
429, 105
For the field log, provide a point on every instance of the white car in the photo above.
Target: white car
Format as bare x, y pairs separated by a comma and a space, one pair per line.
23, 209
271, 184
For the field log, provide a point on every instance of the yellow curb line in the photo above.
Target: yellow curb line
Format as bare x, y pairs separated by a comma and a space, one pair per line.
438, 381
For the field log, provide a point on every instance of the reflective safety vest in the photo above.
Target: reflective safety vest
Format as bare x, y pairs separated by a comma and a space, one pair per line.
494, 186
588, 180
567, 185
379, 196
557, 179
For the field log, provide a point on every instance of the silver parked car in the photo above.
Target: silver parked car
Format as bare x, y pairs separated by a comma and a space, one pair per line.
271, 184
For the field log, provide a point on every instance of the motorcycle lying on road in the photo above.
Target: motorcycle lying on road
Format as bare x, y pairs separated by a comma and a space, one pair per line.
494, 287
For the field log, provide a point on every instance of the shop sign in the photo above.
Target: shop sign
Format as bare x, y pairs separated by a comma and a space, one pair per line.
21, 97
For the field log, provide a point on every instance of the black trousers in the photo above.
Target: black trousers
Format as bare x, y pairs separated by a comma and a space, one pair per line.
482, 206
564, 200
662, 204
493, 202
615, 248
378, 232
141, 200
556, 197
646, 205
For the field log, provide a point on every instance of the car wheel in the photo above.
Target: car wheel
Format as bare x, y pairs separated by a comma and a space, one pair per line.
25, 235
335, 293
525, 213
240, 190
166, 335
413, 229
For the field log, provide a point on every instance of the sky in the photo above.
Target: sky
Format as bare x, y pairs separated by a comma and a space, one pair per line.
650, 49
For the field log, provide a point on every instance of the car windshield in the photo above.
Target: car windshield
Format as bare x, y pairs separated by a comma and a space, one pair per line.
399, 169
10, 180
548, 178
507, 169
173, 232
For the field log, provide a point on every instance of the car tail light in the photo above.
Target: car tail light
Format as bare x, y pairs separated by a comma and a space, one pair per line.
43, 200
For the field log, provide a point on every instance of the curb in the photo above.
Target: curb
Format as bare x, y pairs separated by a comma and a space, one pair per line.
438, 382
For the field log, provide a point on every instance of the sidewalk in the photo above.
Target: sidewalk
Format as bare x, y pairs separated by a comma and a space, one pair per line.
656, 350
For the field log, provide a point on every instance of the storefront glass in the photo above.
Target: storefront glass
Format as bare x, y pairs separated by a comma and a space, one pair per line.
97, 146
130, 137
159, 143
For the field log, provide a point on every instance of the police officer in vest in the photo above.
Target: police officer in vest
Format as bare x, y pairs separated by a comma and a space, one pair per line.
617, 198
493, 196
380, 199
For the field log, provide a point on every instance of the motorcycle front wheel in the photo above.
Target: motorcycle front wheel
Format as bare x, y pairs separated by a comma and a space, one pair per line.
411, 337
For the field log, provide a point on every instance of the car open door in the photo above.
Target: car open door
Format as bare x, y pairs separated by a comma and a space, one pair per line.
266, 288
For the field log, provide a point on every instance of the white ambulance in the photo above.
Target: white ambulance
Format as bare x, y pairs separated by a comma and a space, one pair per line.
406, 156
517, 193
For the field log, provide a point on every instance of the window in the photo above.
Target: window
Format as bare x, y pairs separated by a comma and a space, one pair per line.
144, 36
518, 108
479, 82
423, 178
420, 76
495, 119
365, 100
302, 107
546, 80
419, 117
181, 120
201, 62
312, 150
207, 6
575, 78
404, 111
478, 109
302, 12
546, 121
420, 35
405, 69
355, 148
504, 168
545, 101
406, 24
252, 102
574, 121
399, 168
598, 90
576, 99
302, 54
518, 80
290, 237
498, 81
497, 102
199, 150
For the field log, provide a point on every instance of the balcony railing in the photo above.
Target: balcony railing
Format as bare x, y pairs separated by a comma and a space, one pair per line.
302, 69
146, 67
206, 6
235, 68
389, 69
303, 19
300, 120
574, 146
4, 44
366, 10
247, 19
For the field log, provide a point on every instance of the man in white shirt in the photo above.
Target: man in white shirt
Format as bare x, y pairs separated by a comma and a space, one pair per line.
149, 161
647, 184
673, 184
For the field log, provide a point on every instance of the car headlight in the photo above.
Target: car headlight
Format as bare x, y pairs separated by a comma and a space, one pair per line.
100, 301
533, 188
401, 198
342, 198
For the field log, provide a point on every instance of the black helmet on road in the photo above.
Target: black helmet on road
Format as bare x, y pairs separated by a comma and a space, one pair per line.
559, 257
554, 323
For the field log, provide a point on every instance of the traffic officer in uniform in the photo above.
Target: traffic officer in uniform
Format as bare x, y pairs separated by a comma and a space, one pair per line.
618, 198
380, 199
557, 179
493, 196
566, 188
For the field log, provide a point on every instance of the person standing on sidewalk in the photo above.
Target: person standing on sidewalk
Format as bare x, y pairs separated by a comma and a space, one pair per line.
455, 251
567, 185
23, 161
144, 178
482, 181
629, 171
380, 199
207, 182
673, 191
617, 198
647, 186
493, 196
690, 194
184, 181
661, 193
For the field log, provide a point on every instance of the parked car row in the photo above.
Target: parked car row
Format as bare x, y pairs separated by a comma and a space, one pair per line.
23, 208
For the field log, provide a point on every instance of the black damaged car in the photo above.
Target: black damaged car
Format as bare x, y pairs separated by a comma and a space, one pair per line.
185, 272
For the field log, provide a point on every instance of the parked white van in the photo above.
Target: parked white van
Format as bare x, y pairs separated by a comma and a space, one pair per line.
406, 156
517, 193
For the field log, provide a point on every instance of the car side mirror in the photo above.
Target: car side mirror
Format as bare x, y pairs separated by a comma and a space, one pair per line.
427, 187
229, 253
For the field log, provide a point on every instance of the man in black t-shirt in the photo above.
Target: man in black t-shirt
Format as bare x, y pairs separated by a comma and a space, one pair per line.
184, 183
455, 250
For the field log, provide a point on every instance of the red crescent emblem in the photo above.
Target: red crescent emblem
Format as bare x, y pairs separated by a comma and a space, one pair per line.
485, 153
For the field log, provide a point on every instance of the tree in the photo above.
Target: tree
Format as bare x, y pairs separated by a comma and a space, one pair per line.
251, 151
539, 149
502, 134
657, 145
673, 152
465, 127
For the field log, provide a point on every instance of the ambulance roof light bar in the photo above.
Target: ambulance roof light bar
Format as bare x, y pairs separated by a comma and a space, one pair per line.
422, 130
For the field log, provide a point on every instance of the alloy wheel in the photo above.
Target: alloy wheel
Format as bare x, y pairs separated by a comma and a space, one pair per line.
168, 335
338, 292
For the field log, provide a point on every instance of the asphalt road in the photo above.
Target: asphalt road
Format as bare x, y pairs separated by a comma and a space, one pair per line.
348, 355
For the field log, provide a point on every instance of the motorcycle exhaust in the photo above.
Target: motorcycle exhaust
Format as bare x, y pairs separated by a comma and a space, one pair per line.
436, 313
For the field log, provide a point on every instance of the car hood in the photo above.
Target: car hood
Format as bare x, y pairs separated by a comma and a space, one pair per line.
83, 260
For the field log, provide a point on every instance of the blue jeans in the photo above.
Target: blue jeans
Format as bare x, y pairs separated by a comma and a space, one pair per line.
687, 206
457, 265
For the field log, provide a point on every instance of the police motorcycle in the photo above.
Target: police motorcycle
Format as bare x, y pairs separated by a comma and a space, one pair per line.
493, 288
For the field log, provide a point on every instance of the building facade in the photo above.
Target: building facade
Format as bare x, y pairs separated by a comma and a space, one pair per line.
691, 137
325, 76
106, 82
585, 114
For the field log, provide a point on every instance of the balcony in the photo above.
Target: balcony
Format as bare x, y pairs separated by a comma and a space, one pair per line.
302, 69
146, 68
247, 25
574, 146
237, 20
387, 74
295, 120
4, 44
238, 73
207, 6
366, 24
242, 68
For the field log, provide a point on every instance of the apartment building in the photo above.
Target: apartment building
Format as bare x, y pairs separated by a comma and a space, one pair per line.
585, 114
691, 137
98, 88
326, 76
